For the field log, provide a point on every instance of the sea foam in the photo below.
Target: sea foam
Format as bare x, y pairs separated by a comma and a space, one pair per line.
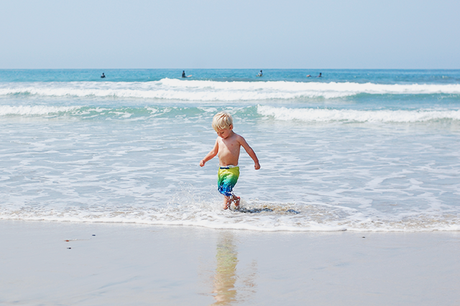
36, 110
349, 115
171, 89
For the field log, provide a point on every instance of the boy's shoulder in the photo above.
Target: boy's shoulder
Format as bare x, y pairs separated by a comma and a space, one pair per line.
237, 137
234, 137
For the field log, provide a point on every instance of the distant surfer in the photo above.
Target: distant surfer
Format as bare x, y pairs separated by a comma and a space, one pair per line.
320, 75
103, 75
185, 76
227, 147
260, 74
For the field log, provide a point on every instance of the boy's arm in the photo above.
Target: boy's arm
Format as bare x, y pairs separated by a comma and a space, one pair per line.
250, 152
210, 155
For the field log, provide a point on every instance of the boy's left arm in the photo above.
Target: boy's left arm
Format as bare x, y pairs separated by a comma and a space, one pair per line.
250, 152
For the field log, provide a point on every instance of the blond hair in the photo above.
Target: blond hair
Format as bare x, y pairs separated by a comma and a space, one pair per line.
221, 121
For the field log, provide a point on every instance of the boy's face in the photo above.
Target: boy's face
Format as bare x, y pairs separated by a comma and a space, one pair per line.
225, 133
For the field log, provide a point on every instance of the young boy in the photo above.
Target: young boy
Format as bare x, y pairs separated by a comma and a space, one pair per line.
227, 148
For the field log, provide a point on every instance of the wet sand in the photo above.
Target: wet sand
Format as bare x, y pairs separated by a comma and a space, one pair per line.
114, 264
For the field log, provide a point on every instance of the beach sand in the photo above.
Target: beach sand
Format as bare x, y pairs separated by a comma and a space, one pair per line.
114, 264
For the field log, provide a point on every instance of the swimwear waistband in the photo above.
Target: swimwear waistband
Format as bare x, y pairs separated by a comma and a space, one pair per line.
227, 167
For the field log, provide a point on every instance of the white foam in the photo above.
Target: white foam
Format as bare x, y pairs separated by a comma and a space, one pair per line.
172, 89
348, 115
311, 217
27, 110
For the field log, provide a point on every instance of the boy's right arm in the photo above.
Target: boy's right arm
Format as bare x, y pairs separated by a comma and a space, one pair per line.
210, 155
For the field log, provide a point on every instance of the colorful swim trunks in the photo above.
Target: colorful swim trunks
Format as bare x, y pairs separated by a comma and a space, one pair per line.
226, 179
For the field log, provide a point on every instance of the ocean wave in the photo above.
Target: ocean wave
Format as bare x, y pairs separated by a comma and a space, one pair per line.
46, 111
349, 115
277, 113
36, 110
259, 216
188, 90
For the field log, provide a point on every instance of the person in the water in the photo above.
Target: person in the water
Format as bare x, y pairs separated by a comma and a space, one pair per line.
227, 148
260, 73
103, 75
183, 74
320, 75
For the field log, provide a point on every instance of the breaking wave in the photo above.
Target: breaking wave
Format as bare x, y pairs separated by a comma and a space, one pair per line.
171, 89
350, 115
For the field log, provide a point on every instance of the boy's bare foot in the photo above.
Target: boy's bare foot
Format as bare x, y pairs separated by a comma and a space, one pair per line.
236, 200
228, 202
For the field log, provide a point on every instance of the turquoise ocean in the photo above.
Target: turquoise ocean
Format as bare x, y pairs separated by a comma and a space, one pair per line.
358, 150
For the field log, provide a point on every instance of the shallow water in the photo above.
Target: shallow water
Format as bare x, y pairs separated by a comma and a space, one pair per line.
354, 150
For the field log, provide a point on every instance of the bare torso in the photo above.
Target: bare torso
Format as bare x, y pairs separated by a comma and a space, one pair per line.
229, 150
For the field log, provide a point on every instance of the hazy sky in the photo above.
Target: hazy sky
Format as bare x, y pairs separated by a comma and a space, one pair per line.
258, 34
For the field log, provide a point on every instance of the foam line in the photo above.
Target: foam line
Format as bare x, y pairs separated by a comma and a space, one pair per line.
348, 115
171, 89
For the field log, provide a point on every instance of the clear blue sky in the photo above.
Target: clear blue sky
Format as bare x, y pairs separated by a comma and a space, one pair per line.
184, 34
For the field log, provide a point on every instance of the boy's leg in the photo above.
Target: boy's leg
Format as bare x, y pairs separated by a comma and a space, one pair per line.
227, 202
236, 200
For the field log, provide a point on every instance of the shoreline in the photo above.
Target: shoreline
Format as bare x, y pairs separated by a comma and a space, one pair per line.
130, 264
318, 228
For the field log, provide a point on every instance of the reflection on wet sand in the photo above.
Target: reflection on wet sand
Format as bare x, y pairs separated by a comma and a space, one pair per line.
225, 291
